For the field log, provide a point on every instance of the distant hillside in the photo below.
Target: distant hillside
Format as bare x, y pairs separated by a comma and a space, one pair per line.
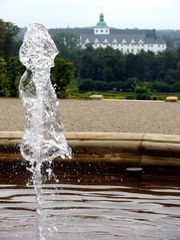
171, 37
21, 33
172, 33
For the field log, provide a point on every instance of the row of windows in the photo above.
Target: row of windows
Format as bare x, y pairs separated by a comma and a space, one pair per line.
131, 50
102, 30
121, 45
125, 44
130, 44
134, 51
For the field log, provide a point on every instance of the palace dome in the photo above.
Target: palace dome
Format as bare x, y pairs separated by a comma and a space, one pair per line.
101, 23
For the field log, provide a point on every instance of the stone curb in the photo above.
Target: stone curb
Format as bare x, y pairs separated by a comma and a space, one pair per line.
118, 148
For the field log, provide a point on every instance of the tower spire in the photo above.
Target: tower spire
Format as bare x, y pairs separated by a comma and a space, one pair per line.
101, 17
101, 9
101, 26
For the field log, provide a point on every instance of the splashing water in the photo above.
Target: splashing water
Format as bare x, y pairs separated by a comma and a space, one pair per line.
43, 139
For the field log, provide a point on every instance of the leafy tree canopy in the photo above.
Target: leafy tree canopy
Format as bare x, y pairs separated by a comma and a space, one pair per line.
8, 31
62, 76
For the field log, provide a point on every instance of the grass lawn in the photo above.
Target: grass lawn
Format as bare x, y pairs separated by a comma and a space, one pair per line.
120, 95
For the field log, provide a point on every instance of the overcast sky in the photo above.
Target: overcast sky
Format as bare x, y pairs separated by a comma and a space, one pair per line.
159, 14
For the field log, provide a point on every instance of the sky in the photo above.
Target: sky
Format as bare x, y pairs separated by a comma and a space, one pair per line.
158, 14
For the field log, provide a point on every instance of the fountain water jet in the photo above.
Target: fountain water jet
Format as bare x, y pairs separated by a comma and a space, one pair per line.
43, 139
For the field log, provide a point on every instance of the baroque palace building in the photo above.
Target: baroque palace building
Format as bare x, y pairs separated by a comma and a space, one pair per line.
125, 40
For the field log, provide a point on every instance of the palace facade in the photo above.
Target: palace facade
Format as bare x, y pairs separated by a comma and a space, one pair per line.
125, 40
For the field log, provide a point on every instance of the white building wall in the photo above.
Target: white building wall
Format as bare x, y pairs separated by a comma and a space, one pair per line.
101, 31
130, 48
159, 48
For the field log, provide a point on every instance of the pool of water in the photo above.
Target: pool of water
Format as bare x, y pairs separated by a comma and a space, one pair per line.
93, 207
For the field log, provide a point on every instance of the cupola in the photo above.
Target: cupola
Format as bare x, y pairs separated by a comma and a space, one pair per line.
101, 26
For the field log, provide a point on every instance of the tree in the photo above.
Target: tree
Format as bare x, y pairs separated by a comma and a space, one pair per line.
62, 77
169, 60
171, 76
86, 85
175, 87
143, 91
169, 41
8, 31
161, 86
91, 85
178, 70
65, 42
2, 37
10, 74
129, 84
14, 71
130, 66
111, 65
4, 85
88, 68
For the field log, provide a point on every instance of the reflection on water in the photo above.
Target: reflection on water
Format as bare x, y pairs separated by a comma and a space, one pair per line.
125, 209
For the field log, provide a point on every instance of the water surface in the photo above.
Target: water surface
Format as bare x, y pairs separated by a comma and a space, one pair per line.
93, 207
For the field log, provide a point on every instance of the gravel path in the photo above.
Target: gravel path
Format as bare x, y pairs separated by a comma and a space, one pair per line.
102, 116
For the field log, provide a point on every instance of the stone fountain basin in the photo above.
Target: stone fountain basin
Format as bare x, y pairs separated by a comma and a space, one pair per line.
131, 149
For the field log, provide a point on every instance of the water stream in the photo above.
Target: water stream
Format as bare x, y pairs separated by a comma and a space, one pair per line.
43, 138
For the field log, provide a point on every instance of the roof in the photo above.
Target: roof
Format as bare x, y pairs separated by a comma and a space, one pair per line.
101, 25
77, 31
129, 36
146, 35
